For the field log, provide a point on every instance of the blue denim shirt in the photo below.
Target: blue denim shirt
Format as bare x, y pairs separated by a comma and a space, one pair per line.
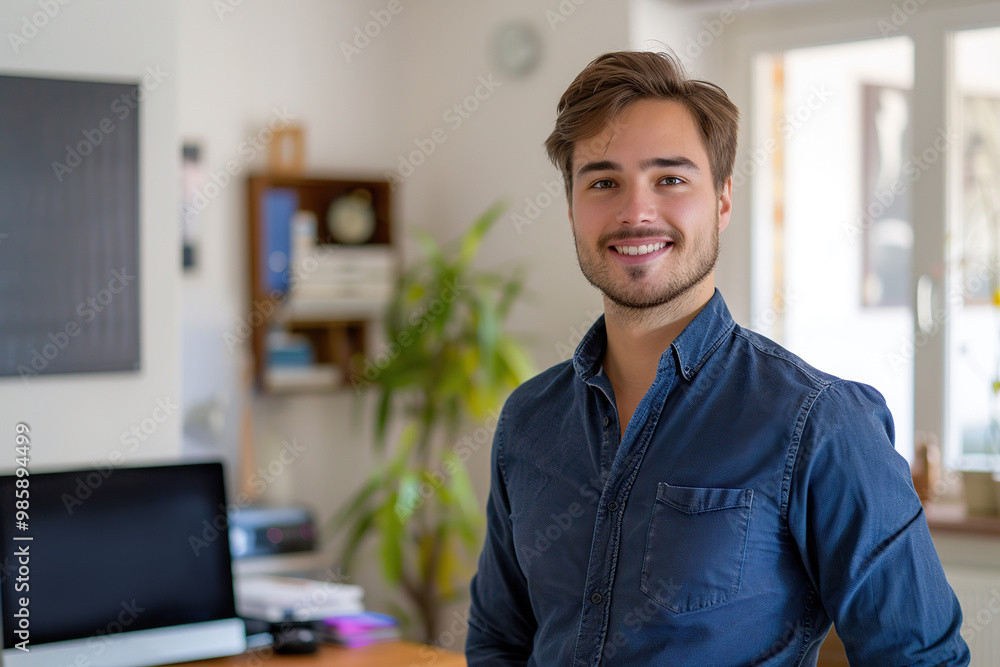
752, 501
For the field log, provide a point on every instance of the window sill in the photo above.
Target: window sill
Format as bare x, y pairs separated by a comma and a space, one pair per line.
952, 518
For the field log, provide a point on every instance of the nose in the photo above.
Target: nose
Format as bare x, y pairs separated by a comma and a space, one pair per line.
637, 206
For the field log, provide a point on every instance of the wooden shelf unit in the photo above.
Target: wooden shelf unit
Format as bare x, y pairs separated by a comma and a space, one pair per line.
335, 340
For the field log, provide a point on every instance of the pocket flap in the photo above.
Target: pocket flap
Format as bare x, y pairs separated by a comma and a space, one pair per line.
694, 500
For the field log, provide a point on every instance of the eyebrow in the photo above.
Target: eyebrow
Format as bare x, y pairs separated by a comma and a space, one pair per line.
652, 163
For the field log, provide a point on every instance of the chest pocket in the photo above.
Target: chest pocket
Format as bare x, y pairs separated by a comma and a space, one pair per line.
695, 546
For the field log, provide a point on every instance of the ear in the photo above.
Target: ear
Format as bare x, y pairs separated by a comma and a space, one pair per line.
569, 212
726, 204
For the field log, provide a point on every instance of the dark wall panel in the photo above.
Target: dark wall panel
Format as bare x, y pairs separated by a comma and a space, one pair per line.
69, 225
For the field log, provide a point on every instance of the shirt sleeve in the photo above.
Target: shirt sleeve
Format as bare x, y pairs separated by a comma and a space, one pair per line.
501, 622
863, 536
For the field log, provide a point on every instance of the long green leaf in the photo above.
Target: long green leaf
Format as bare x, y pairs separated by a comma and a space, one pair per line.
346, 514
487, 333
517, 359
361, 529
390, 542
382, 419
473, 238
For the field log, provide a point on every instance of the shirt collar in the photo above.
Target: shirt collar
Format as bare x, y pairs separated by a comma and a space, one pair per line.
692, 347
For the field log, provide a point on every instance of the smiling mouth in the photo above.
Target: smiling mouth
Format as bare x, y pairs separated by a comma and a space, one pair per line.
639, 249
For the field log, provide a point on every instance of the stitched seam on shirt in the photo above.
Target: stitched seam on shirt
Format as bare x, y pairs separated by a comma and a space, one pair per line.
501, 461
716, 344
806, 625
585, 373
792, 457
776, 353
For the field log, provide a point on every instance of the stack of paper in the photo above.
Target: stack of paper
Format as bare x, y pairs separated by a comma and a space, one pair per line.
275, 598
339, 278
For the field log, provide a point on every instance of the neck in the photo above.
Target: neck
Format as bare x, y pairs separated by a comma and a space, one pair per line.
637, 337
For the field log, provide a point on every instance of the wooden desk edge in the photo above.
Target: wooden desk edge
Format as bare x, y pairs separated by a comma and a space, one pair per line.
388, 654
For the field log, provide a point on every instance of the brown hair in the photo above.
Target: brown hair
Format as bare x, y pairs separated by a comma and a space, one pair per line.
610, 83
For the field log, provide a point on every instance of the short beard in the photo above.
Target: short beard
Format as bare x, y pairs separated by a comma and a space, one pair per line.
634, 305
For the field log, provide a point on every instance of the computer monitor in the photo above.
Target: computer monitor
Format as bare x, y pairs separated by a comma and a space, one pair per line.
116, 567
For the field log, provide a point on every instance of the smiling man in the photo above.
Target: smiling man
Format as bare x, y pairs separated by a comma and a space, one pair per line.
685, 491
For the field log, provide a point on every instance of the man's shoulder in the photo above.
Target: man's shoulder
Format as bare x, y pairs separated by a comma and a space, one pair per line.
547, 387
776, 357
794, 371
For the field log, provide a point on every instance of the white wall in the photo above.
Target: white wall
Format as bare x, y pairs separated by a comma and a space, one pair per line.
236, 68
498, 151
81, 419
365, 114
698, 36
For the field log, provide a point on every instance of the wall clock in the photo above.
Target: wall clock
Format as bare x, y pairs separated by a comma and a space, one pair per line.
516, 48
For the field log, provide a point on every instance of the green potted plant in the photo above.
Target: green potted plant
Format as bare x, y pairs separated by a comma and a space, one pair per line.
448, 363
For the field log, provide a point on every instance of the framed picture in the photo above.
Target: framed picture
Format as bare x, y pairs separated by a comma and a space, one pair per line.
980, 224
886, 199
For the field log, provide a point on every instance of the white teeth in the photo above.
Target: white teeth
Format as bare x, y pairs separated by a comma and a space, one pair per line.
640, 249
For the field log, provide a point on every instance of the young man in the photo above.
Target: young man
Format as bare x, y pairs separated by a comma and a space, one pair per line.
685, 491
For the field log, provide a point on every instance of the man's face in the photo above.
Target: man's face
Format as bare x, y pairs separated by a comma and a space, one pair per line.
644, 211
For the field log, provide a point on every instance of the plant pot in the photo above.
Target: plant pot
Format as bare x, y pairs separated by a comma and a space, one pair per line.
982, 494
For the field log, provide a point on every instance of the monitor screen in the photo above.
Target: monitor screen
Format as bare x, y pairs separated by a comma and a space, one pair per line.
112, 552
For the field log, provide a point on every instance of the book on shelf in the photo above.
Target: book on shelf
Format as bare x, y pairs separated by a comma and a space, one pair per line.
362, 629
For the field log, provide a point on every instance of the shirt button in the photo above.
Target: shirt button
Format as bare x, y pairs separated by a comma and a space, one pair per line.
607, 420
596, 598
612, 506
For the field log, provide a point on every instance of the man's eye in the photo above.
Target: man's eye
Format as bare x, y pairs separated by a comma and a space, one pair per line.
603, 184
671, 180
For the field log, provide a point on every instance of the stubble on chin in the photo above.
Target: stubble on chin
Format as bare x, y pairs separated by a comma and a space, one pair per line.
634, 304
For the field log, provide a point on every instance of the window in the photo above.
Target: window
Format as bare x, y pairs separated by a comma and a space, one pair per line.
876, 231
